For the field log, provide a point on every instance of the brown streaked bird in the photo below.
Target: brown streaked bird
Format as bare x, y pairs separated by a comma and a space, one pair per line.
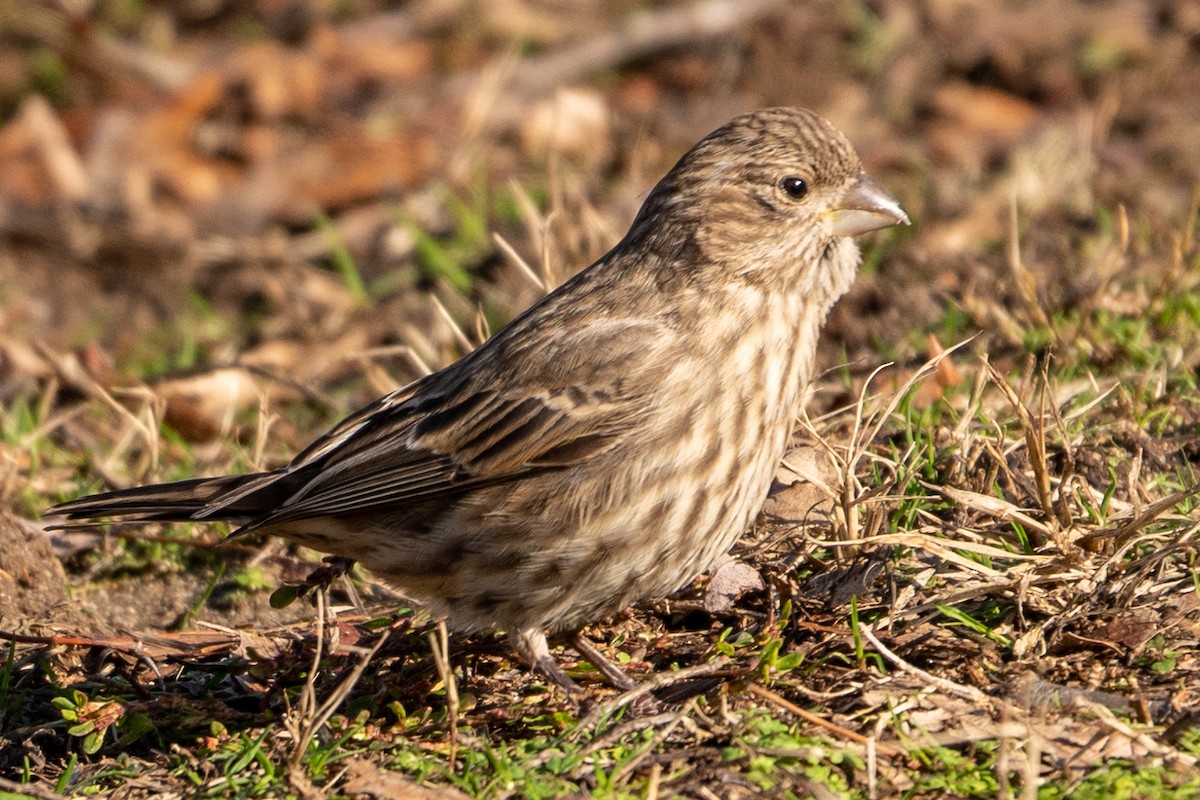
615, 439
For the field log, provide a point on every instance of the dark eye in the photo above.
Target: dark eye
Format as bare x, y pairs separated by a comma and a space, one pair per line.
795, 187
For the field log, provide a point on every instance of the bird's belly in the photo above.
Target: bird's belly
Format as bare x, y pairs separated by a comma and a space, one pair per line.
563, 548
596, 549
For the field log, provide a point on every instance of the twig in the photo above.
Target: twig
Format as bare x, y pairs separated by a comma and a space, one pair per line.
1140, 520
456, 330
668, 720
59, 158
844, 733
439, 643
1035, 443
657, 681
640, 35
1109, 719
315, 716
515, 259
1024, 279
969, 692
29, 790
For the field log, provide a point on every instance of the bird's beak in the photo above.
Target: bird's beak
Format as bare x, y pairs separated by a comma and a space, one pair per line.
865, 207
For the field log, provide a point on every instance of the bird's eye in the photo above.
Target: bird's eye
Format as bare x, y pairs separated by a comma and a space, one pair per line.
795, 187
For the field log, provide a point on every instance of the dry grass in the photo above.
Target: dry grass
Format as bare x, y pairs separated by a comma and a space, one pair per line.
1002, 596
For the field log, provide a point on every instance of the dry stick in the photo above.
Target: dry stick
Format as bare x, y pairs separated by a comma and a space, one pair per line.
1110, 720
1035, 444
838, 730
52, 420
515, 259
1035, 436
1145, 564
456, 330
1003, 756
483, 329
640, 35
657, 681
944, 548
398, 350
302, 733
1022, 277
315, 716
872, 767
59, 158
262, 430
653, 781
849, 476
1061, 506
1143, 517
439, 643
848, 499
537, 230
925, 370
969, 692
647, 749
997, 508
611, 735
74, 375
29, 790
130, 645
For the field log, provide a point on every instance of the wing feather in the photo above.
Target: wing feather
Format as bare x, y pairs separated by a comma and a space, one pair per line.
457, 430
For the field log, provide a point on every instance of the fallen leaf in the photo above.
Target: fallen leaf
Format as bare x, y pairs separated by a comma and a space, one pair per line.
730, 580
367, 778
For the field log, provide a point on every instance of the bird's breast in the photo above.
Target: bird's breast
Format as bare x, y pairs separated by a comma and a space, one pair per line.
724, 429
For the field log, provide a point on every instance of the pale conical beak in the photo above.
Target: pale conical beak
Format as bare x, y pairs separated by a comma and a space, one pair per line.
865, 207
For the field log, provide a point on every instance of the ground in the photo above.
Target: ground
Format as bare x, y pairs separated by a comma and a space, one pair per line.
223, 226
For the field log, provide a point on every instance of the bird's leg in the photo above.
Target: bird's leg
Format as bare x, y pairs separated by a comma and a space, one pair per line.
616, 676
531, 644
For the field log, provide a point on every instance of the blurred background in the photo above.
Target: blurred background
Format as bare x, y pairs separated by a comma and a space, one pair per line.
283, 184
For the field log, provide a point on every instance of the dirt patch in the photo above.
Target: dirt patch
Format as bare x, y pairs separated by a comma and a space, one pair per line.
33, 583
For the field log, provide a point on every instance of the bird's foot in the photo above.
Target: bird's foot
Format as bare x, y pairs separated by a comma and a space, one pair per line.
558, 676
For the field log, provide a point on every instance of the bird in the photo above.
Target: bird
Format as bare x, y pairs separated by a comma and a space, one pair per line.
614, 440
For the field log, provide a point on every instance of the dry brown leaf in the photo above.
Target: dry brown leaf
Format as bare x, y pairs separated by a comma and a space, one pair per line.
803, 485
366, 778
353, 165
730, 580
23, 174
202, 407
977, 115
1132, 628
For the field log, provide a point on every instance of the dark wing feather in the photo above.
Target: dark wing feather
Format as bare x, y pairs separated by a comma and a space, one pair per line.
456, 430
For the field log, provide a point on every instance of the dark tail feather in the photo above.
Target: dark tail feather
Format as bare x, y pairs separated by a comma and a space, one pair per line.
181, 501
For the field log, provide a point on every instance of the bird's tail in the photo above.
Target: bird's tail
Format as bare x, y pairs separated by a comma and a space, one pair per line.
181, 501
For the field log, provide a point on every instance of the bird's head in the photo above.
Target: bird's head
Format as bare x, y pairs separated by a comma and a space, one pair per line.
774, 195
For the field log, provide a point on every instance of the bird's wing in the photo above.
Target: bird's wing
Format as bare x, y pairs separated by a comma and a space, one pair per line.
478, 422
